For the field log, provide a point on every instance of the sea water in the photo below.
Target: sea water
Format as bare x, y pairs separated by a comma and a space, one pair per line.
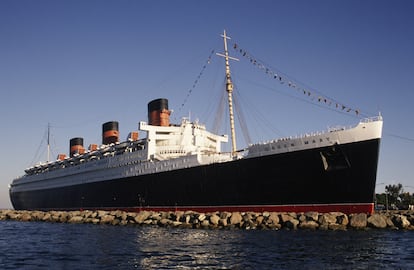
41, 245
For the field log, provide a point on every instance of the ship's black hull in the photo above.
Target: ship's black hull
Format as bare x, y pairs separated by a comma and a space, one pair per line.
339, 178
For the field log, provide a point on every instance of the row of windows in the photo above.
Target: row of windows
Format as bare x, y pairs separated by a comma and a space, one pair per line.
73, 162
172, 152
314, 141
279, 146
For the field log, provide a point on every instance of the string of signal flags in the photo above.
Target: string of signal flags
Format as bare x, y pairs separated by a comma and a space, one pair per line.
196, 82
282, 79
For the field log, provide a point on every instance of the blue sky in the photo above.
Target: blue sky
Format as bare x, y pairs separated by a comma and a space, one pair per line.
77, 64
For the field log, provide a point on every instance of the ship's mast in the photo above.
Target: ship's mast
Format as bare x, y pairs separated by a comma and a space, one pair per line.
229, 89
48, 142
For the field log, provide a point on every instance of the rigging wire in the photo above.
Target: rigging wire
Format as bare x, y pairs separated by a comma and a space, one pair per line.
400, 137
37, 154
241, 118
304, 100
40, 149
218, 120
196, 82
322, 99
295, 84
47, 139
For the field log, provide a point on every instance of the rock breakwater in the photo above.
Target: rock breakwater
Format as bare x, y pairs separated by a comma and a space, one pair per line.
398, 220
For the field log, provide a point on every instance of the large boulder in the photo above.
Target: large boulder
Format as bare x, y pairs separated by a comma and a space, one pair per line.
214, 219
142, 216
401, 221
358, 221
235, 218
377, 221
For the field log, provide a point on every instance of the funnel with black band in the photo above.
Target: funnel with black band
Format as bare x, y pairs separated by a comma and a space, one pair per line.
110, 132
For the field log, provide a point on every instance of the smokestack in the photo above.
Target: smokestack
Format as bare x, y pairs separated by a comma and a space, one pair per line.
110, 133
158, 113
76, 146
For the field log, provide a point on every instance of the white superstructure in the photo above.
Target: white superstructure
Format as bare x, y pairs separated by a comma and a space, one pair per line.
174, 147
367, 129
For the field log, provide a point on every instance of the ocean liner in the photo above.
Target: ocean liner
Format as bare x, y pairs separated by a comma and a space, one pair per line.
183, 167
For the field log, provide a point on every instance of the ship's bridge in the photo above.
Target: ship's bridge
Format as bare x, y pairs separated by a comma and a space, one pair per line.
178, 140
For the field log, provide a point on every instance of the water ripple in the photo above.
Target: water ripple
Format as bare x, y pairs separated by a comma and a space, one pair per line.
36, 245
